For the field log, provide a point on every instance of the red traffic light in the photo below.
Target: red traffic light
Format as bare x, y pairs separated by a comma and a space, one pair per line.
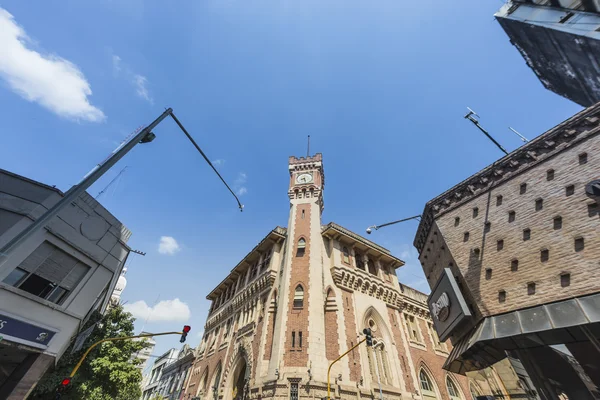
65, 382
186, 328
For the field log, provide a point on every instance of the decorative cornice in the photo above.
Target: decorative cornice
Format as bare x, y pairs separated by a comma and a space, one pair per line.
572, 131
275, 235
356, 280
332, 228
249, 293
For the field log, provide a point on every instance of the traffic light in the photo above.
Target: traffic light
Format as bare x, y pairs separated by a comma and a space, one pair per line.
367, 332
186, 330
62, 387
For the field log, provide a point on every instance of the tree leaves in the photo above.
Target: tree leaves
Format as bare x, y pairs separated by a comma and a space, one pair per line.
108, 373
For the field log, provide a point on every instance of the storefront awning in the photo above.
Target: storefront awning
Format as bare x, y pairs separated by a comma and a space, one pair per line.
549, 324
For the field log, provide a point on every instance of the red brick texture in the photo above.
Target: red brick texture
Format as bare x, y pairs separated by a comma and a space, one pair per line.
395, 328
432, 363
332, 346
297, 318
351, 334
271, 314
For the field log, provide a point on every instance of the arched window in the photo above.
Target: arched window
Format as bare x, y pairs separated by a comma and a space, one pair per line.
372, 269
299, 297
427, 386
301, 247
346, 255
217, 380
475, 392
360, 264
452, 389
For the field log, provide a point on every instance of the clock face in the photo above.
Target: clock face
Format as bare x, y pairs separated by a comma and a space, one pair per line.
304, 178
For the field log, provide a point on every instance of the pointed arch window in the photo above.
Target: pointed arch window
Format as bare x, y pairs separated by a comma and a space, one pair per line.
427, 386
301, 247
452, 389
299, 297
360, 264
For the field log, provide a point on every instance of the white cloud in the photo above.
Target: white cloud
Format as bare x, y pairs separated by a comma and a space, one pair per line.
166, 310
49, 80
140, 83
168, 245
239, 182
116, 63
219, 161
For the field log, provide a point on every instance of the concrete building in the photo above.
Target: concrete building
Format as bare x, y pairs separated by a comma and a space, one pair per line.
50, 285
144, 354
175, 374
152, 385
512, 254
560, 41
301, 298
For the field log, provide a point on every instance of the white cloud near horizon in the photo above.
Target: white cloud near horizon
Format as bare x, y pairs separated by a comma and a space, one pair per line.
239, 184
218, 161
139, 82
166, 310
49, 80
168, 245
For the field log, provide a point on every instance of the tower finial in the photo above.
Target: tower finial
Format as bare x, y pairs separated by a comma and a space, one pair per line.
308, 148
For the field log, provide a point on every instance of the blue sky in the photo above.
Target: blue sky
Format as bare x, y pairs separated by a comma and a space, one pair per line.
381, 87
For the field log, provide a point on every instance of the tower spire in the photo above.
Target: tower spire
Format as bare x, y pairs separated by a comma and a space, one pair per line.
308, 148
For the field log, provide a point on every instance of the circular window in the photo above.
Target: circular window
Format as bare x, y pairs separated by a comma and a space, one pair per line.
372, 325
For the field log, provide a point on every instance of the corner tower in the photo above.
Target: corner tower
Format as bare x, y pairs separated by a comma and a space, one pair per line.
302, 279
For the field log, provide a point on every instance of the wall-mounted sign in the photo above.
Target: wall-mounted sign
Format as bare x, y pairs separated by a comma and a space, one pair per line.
13, 329
447, 305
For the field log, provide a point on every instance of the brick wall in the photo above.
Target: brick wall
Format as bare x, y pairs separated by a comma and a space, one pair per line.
397, 336
297, 318
271, 315
351, 332
489, 266
332, 337
426, 357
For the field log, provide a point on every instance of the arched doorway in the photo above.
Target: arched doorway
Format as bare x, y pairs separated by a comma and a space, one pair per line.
240, 382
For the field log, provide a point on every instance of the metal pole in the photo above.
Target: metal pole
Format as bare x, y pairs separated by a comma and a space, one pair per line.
336, 360
72, 194
113, 339
377, 372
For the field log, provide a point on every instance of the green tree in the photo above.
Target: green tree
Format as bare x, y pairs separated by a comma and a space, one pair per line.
108, 373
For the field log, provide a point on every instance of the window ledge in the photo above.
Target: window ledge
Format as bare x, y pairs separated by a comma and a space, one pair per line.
39, 300
418, 345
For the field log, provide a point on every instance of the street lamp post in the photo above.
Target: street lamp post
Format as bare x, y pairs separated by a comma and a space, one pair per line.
377, 368
144, 136
376, 227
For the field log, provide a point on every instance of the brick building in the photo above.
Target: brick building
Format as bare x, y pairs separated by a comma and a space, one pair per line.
301, 298
520, 241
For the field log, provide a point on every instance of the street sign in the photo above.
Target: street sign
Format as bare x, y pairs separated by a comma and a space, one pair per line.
24, 332
81, 338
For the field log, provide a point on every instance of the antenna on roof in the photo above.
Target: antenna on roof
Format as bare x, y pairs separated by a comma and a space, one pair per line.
523, 138
474, 118
308, 148
111, 182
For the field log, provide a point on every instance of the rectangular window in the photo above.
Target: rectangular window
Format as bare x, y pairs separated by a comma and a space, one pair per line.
300, 339
49, 273
413, 329
293, 339
293, 391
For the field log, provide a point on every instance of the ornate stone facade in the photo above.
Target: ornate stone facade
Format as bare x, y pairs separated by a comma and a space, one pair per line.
300, 299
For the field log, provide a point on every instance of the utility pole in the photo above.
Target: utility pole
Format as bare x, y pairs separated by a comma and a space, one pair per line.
472, 116
144, 136
377, 369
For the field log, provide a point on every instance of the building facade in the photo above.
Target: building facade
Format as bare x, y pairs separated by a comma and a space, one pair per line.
152, 383
50, 285
301, 298
560, 41
175, 374
511, 254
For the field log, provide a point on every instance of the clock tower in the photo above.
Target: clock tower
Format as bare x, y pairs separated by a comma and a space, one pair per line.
302, 285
